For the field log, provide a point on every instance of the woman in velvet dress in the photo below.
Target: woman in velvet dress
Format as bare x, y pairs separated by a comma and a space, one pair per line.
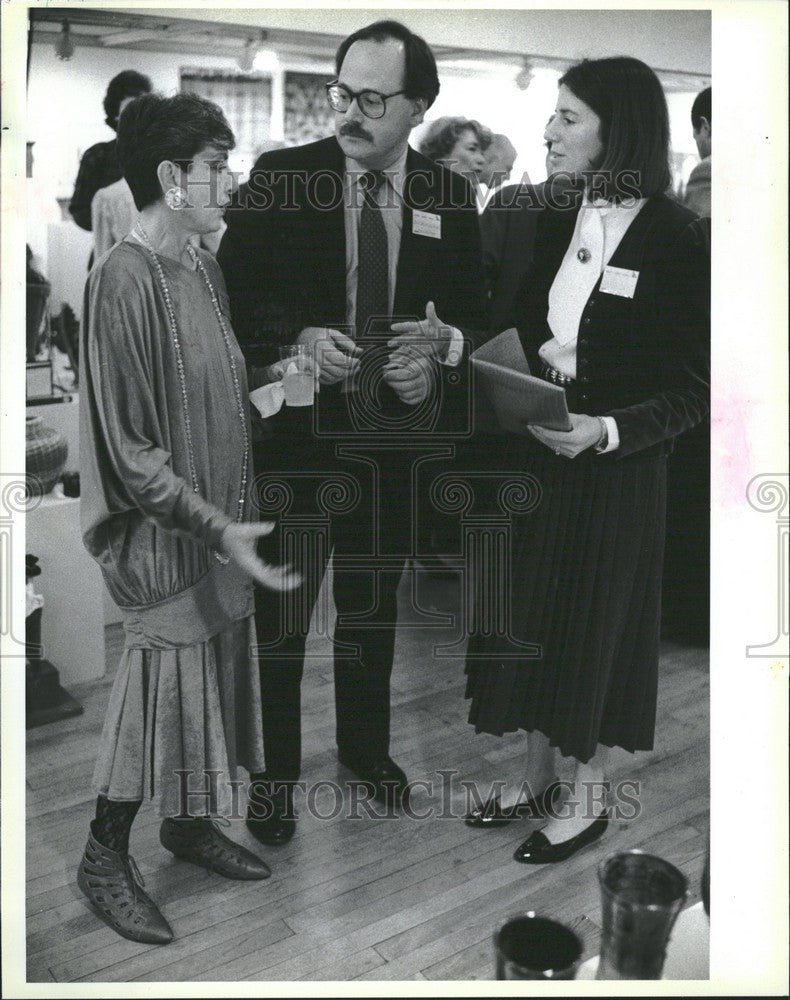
616, 310
166, 511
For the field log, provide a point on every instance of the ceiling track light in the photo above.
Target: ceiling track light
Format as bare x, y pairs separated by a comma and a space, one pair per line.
246, 60
247, 57
525, 75
64, 46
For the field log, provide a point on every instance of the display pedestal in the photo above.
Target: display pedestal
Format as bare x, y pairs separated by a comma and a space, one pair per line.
45, 699
72, 626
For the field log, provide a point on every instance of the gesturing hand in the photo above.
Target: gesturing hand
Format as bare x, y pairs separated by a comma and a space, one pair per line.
238, 542
335, 354
585, 433
410, 376
429, 335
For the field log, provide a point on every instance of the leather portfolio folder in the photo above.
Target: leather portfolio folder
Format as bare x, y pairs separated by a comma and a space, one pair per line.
517, 397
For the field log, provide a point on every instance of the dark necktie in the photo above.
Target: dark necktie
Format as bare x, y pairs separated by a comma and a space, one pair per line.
373, 256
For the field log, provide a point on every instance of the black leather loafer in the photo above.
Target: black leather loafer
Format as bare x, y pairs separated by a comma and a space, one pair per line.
274, 829
537, 849
388, 781
200, 842
491, 814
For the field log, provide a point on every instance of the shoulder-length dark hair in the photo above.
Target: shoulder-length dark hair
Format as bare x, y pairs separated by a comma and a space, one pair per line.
420, 77
153, 129
444, 133
628, 98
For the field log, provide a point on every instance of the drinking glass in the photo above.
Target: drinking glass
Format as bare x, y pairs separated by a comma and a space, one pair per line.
533, 947
298, 375
641, 896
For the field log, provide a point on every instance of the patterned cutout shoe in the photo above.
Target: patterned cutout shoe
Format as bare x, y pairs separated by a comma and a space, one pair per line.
113, 885
200, 842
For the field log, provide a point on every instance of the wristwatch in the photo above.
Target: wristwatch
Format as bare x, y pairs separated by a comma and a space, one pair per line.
603, 441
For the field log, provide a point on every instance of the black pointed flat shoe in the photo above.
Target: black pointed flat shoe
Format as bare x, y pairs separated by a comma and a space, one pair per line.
537, 849
491, 814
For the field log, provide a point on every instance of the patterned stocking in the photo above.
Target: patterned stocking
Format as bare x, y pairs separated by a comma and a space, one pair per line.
113, 823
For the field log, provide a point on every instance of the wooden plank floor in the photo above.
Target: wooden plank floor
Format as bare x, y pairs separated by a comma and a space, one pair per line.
363, 898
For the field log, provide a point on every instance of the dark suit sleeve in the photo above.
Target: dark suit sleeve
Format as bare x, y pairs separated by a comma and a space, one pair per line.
465, 293
270, 256
245, 258
493, 233
681, 309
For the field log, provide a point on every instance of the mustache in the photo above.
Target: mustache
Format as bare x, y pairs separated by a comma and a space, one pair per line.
355, 130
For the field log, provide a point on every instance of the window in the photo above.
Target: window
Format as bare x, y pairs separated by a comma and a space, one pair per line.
246, 100
307, 113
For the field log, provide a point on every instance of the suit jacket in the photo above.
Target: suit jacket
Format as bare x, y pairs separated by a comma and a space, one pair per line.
507, 228
644, 360
284, 254
697, 196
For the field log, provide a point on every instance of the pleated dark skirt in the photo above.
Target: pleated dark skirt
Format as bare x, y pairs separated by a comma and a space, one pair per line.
585, 587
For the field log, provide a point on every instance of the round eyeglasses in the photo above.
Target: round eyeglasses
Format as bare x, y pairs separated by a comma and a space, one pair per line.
371, 103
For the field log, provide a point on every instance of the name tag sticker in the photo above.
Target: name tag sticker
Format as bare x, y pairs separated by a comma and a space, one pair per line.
426, 224
619, 281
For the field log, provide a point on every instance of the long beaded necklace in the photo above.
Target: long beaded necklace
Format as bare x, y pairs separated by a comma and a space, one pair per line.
143, 237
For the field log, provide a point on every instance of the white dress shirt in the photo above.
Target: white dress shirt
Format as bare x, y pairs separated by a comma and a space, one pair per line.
269, 398
600, 226
389, 197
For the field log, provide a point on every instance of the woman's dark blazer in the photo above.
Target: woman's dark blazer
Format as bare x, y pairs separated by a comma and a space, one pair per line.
644, 360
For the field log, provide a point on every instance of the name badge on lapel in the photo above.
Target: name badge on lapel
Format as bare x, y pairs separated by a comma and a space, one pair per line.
619, 281
426, 224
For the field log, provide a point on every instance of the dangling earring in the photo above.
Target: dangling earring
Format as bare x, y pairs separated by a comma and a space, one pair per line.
175, 198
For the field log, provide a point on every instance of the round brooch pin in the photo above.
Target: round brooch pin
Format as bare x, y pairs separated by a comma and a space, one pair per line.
584, 255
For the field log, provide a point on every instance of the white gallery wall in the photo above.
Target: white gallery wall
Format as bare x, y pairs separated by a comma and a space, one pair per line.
65, 114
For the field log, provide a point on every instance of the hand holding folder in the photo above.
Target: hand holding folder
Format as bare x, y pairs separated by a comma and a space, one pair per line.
517, 397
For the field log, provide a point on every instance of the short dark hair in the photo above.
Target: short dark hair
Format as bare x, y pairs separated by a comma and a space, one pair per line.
153, 129
421, 78
444, 133
628, 97
701, 108
130, 83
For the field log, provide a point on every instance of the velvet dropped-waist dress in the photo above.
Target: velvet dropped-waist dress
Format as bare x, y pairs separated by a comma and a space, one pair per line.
186, 697
585, 584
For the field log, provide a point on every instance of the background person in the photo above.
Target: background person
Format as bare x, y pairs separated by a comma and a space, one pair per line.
113, 215
507, 231
697, 195
499, 160
460, 145
99, 166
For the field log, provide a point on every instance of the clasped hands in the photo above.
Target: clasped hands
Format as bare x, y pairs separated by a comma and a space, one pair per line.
410, 368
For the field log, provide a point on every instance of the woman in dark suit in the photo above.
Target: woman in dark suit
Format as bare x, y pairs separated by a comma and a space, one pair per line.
614, 309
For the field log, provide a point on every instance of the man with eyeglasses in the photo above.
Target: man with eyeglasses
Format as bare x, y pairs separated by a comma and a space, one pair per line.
330, 245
